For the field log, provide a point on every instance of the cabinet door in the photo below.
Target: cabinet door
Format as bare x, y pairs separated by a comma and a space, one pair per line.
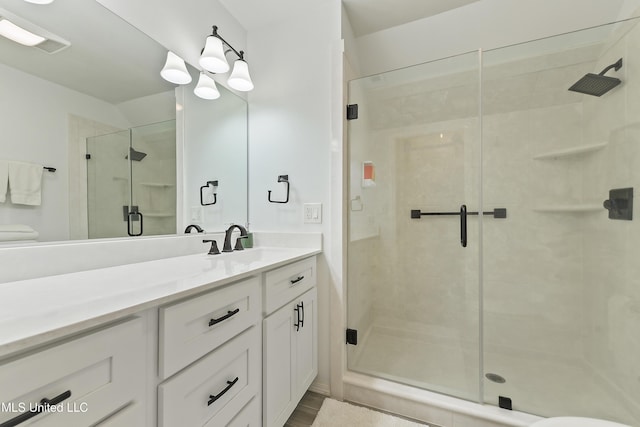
290, 357
306, 344
278, 359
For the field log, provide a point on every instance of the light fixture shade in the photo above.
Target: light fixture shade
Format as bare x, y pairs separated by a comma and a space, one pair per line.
206, 88
39, 1
212, 58
240, 79
18, 34
175, 70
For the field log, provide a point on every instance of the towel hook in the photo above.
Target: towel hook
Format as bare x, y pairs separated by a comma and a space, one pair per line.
285, 179
214, 184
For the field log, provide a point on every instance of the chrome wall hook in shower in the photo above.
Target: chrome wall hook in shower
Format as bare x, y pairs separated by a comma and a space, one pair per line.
213, 184
285, 179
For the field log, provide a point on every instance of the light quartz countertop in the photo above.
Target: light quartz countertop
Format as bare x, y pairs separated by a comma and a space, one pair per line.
36, 311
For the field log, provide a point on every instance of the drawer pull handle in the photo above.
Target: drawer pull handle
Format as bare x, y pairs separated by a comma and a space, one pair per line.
213, 398
220, 319
294, 281
44, 404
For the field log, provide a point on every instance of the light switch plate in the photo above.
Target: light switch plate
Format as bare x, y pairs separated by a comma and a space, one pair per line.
313, 213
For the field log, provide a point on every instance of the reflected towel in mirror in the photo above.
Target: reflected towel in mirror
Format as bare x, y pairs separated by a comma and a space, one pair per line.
25, 183
4, 179
16, 232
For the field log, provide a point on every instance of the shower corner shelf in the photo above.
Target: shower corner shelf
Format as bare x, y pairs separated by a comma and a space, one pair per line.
577, 208
157, 184
159, 214
572, 151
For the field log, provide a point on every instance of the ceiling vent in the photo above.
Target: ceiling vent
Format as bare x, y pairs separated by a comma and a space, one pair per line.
52, 46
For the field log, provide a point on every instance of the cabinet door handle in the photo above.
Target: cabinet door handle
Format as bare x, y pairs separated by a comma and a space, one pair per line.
302, 308
220, 319
213, 398
294, 281
297, 324
44, 404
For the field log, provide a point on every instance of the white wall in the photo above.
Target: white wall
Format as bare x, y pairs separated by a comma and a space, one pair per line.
486, 24
35, 129
292, 130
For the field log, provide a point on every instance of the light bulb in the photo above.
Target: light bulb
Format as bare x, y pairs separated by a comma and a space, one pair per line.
212, 58
206, 88
240, 79
175, 70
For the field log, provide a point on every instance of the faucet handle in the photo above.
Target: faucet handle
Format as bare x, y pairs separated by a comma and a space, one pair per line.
214, 247
238, 246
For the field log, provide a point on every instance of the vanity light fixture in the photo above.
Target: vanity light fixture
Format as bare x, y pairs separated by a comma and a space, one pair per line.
206, 87
213, 59
175, 70
39, 1
18, 34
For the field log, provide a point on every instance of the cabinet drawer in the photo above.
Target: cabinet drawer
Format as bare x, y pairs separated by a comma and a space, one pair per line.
213, 390
249, 416
285, 283
100, 373
192, 328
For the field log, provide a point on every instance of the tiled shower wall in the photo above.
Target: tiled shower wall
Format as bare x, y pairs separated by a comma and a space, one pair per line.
611, 297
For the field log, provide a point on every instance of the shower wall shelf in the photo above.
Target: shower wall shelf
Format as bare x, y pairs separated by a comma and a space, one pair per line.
577, 208
159, 214
572, 151
157, 184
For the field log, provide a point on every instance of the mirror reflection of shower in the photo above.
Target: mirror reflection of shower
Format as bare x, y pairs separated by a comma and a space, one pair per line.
120, 182
136, 156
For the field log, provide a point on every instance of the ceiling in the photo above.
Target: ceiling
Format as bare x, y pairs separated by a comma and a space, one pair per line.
370, 16
108, 58
366, 16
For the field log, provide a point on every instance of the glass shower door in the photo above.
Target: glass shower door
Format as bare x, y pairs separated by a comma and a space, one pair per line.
131, 182
412, 272
561, 283
153, 177
108, 184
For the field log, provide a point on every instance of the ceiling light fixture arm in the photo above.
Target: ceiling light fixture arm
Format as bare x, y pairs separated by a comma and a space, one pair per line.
240, 54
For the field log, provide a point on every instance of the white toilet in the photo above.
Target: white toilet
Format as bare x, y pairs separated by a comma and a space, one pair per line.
575, 422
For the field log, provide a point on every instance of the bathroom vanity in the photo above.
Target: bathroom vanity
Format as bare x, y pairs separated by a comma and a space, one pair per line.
194, 340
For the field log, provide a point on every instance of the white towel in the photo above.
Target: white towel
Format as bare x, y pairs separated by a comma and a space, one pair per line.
25, 183
15, 232
4, 179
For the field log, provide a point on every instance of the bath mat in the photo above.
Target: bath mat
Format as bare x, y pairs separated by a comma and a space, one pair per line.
340, 414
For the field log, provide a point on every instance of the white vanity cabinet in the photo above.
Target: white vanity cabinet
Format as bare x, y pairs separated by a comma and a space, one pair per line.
233, 344
91, 380
210, 355
290, 337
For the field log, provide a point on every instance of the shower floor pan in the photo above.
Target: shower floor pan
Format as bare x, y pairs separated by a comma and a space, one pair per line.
536, 385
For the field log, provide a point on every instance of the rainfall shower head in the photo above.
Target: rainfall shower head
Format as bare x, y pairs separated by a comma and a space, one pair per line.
136, 155
597, 84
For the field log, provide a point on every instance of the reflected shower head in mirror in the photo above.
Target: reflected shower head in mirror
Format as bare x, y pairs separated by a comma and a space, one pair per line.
136, 156
597, 84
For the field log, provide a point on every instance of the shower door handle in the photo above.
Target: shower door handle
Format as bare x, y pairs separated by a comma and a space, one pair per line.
129, 225
463, 225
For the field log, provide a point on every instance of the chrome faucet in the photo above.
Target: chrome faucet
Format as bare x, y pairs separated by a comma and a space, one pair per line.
227, 238
192, 226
